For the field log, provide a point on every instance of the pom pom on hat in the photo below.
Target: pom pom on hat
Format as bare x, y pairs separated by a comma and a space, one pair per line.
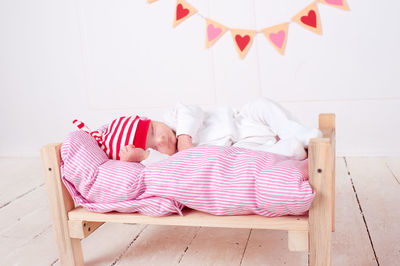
95, 134
121, 132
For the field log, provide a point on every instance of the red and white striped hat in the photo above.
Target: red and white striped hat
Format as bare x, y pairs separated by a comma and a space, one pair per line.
121, 132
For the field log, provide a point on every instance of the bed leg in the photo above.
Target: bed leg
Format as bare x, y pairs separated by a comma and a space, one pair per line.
60, 203
320, 213
327, 124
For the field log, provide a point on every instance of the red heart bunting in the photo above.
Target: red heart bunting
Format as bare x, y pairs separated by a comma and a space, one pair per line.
242, 42
181, 12
310, 19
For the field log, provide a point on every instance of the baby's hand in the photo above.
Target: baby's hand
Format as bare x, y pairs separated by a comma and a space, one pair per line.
184, 142
130, 153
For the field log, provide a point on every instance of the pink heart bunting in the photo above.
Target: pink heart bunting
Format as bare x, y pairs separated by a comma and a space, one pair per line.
213, 32
335, 2
278, 38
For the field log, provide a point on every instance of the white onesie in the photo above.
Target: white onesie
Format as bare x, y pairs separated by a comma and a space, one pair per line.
260, 125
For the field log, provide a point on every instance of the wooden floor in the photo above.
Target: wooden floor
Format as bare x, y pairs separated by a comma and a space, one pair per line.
367, 226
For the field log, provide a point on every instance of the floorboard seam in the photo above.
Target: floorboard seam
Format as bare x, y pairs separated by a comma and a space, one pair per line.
20, 196
361, 211
54, 262
129, 245
395, 177
245, 247
187, 247
43, 231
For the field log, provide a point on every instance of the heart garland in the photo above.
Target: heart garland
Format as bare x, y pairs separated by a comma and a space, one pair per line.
309, 18
214, 31
336, 3
183, 11
243, 40
277, 35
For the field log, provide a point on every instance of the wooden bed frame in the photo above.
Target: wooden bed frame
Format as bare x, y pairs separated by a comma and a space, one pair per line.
310, 233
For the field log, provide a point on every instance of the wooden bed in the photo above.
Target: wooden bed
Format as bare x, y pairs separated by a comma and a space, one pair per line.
310, 233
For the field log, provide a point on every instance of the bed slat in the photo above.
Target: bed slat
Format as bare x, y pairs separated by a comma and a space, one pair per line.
196, 218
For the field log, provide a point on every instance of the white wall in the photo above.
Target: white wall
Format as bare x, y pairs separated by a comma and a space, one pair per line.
97, 59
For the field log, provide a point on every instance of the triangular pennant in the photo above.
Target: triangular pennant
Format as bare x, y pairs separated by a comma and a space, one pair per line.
151, 1
243, 40
336, 3
309, 18
277, 35
214, 31
183, 11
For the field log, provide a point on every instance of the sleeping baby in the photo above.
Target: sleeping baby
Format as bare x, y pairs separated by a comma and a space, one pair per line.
260, 125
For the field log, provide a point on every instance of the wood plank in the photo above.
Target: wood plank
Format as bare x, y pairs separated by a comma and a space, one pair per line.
40, 250
26, 227
82, 229
326, 121
26, 235
327, 124
379, 196
123, 68
109, 243
60, 202
351, 135
217, 246
18, 177
393, 163
242, 85
196, 218
270, 248
158, 245
320, 214
350, 242
15, 212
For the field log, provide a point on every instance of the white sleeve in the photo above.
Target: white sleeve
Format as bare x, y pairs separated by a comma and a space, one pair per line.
185, 119
154, 156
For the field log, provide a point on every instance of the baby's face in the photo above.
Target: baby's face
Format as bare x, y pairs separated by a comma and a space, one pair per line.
161, 137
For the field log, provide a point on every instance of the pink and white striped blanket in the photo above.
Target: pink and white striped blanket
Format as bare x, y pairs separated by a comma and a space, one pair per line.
213, 179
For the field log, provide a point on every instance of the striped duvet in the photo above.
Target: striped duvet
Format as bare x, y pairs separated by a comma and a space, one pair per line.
213, 179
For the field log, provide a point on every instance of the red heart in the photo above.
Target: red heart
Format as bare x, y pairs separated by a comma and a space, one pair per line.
310, 19
181, 12
242, 42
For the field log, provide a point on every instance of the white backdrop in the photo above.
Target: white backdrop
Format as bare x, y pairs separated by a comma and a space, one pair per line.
97, 59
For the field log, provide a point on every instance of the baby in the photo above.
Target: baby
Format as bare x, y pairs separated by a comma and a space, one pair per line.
260, 125
161, 138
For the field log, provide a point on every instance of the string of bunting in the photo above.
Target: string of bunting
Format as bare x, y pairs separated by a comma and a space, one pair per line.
277, 35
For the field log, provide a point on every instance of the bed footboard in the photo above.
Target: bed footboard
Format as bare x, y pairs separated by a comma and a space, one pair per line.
312, 232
